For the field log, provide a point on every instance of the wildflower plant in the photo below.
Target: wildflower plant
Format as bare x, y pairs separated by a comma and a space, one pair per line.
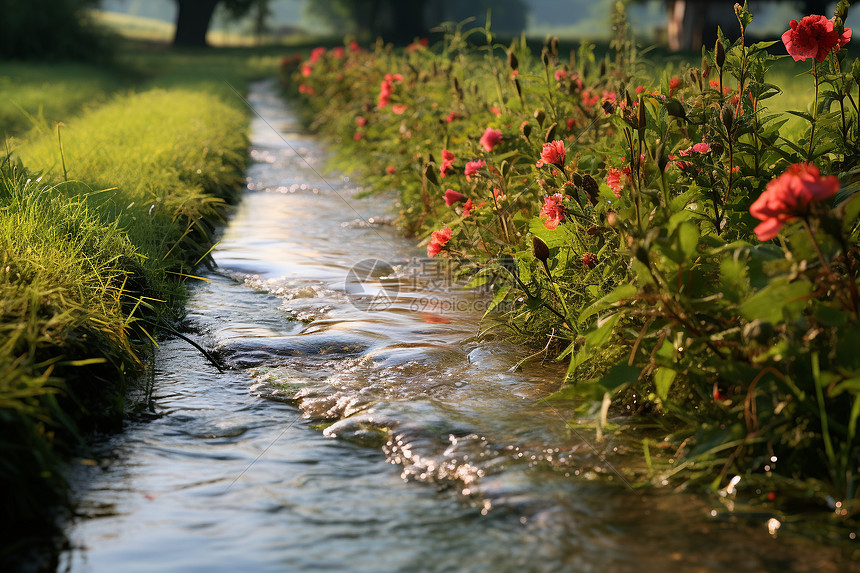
666, 236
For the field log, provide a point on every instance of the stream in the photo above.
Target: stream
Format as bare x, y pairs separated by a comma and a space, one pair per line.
364, 423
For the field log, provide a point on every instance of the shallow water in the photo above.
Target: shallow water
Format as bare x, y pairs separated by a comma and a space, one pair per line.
362, 425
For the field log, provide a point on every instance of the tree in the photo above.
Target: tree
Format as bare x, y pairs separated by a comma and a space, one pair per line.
401, 21
193, 18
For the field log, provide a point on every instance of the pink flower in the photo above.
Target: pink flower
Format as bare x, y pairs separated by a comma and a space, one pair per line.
452, 197
390, 170
307, 70
491, 138
697, 148
437, 240
360, 121
560, 75
552, 210
788, 196
473, 167
398, 109
447, 163
357, 136
813, 37
552, 153
338, 52
496, 110
451, 117
615, 180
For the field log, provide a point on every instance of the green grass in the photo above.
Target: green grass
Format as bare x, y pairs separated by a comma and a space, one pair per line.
38, 95
102, 219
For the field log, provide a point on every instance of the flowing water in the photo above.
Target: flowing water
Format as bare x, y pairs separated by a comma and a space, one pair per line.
362, 424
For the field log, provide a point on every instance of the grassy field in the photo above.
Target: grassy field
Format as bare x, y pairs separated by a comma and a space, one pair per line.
102, 219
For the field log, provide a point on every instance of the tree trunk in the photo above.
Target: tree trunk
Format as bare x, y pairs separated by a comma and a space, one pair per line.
192, 22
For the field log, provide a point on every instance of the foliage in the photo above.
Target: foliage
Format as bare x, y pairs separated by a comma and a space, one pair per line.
49, 29
637, 240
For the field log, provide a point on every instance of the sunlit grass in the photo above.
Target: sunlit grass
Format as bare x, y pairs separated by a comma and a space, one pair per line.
38, 94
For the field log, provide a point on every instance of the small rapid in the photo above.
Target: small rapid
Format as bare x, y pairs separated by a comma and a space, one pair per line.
366, 421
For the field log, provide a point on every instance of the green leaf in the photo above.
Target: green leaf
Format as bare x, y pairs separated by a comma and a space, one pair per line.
663, 378
619, 376
850, 385
769, 303
734, 280
618, 293
688, 239
598, 337
802, 114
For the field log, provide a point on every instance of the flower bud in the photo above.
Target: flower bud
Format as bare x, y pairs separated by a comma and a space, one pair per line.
430, 173
719, 54
591, 188
513, 62
544, 56
553, 47
608, 107
602, 68
540, 115
642, 116
526, 129
541, 251
727, 116
550, 133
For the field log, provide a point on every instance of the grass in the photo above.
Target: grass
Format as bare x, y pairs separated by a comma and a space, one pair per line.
40, 94
102, 219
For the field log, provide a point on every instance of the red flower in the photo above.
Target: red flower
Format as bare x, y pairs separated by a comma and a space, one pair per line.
552, 153
467, 208
384, 93
447, 163
307, 70
398, 109
491, 138
552, 211
354, 47
813, 37
498, 195
452, 197
589, 260
640, 89
560, 75
473, 167
496, 110
360, 121
357, 136
615, 178
570, 123
316, 54
437, 240
338, 52
390, 170
788, 196
451, 117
